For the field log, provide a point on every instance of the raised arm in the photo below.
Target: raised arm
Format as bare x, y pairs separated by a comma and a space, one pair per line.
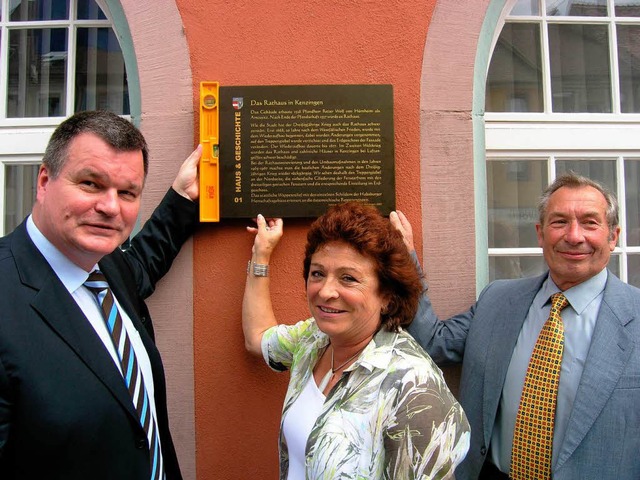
257, 311
153, 249
443, 340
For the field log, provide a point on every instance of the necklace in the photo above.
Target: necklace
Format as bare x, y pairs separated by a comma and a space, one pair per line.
331, 373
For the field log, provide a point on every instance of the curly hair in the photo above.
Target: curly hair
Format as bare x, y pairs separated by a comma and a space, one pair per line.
363, 228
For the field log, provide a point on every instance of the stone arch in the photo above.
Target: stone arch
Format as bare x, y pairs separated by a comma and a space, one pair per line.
164, 111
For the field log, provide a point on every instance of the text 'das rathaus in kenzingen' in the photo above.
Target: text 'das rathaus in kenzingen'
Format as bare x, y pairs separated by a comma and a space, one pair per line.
291, 151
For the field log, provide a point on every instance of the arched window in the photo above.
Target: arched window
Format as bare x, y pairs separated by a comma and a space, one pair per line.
562, 93
57, 57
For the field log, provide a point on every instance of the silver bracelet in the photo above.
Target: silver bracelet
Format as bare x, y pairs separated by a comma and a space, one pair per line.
259, 269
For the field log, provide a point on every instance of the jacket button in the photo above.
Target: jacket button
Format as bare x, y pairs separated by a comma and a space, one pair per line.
483, 451
141, 443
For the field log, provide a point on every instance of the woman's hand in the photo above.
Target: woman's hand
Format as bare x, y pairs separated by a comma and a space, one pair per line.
400, 222
268, 234
257, 311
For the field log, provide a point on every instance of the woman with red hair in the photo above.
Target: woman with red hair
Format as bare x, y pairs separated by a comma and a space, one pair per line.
364, 400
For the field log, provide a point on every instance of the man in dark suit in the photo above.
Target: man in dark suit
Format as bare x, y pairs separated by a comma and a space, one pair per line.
65, 411
596, 429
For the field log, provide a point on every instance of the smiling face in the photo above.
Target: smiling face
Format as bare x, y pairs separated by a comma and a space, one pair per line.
575, 237
342, 291
91, 207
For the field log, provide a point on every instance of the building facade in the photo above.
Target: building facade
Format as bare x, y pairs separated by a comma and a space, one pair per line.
492, 99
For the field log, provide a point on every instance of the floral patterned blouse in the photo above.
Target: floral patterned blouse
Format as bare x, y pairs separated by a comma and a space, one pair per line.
390, 416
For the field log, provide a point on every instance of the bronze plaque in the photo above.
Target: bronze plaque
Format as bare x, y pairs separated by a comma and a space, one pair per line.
291, 151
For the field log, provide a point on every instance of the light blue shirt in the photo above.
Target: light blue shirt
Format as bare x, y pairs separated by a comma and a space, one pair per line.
579, 320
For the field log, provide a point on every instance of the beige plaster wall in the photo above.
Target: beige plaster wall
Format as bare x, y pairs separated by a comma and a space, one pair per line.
167, 123
447, 153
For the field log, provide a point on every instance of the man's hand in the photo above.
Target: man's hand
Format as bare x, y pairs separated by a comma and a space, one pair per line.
186, 182
400, 222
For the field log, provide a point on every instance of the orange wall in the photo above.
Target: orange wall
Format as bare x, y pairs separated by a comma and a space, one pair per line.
289, 42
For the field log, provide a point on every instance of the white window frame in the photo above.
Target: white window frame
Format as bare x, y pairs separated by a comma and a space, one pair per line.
550, 135
23, 140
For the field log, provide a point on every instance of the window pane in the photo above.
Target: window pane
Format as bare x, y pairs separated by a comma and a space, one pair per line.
629, 66
633, 267
30, 10
516, 267
627, 8
19, 193
513, 188
89, 10
37, 72
632, 201
602, 171
101, 80
614, 264
580, 8
514, 82
526, 7
580, 77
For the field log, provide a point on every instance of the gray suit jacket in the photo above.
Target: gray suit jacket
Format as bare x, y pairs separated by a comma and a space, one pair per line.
603, 435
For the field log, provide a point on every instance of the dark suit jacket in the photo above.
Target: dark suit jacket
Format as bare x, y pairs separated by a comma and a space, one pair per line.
602, 441
64, 410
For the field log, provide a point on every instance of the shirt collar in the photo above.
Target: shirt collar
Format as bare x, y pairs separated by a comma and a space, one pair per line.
70, 274
579, 296
379, 352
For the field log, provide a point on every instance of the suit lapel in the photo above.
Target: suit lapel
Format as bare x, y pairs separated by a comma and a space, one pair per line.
509, 317
59, 310
609, 353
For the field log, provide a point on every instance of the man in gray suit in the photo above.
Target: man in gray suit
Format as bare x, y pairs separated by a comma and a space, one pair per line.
597, 420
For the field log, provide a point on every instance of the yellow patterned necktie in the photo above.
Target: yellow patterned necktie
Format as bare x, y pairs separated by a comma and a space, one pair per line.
533, 434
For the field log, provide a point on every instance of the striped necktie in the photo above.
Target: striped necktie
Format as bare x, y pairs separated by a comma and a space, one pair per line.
533, 434
131, 373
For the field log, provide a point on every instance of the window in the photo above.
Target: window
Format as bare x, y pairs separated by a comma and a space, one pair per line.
562, 94
57, 57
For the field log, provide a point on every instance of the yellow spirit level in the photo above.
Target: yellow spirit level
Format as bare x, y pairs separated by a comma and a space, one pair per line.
209, 162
